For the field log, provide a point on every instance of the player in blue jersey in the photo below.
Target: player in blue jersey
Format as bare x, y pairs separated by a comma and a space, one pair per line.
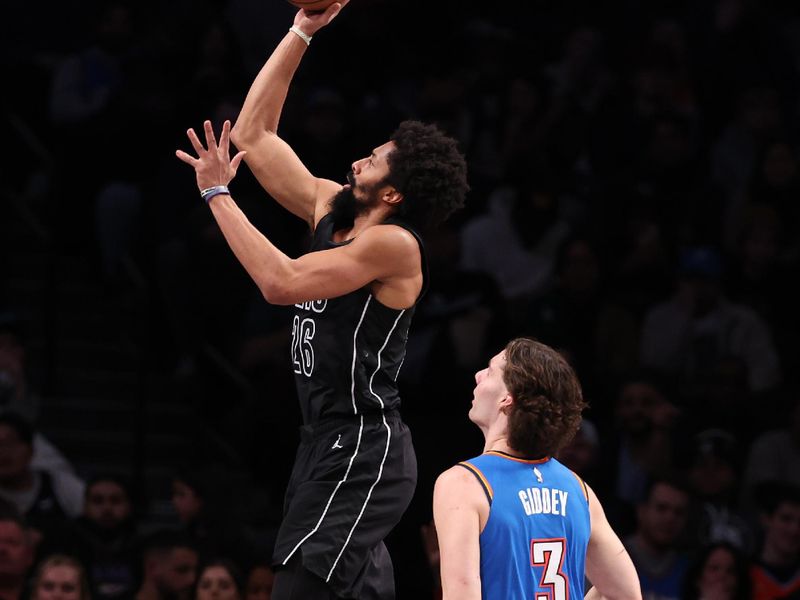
514, 523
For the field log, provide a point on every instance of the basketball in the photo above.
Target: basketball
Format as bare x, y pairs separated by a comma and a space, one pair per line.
313, 5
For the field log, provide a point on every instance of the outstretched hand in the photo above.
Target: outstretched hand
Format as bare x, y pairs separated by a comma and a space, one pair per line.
212, 166
310, 22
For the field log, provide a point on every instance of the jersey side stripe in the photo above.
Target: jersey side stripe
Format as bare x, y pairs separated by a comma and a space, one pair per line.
583, 485
336, 489
378, 366
487, 489
353, 367
369, 494
396, 375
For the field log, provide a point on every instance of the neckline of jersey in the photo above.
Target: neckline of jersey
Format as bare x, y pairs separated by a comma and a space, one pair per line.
531, 461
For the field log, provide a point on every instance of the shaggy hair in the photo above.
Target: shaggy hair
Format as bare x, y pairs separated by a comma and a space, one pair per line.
429, 170
547, 398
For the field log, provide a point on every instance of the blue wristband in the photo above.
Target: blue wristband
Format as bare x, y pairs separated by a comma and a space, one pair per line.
208, 193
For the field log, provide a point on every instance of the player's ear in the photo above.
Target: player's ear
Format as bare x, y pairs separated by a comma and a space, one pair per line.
391, 195
506, 402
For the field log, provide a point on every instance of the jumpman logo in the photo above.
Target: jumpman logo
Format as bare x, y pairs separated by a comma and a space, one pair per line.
336, 443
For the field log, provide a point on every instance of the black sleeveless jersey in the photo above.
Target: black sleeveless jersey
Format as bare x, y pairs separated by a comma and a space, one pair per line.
347, 351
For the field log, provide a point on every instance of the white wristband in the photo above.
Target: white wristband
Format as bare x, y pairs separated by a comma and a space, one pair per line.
300, 34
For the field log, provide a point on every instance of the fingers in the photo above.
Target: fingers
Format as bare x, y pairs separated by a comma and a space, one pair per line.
189, 160
211, 141
333, 10
225, 137
198, 147
236, 161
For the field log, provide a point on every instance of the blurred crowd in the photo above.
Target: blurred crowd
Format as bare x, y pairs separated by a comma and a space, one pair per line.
635, 203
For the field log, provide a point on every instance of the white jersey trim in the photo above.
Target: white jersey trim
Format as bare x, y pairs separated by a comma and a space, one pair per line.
355, 355
366, 501
336, 489
378, 366
385, 451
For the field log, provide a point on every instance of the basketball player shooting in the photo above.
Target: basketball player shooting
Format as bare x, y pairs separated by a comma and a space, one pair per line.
354, 295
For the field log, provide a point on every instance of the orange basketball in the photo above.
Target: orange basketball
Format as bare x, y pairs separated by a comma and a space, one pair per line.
312, 4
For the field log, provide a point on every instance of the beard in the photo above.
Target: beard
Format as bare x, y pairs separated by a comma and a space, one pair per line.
345, 207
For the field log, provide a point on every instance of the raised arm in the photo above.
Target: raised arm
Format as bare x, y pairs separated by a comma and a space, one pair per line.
457, 499
608, 565
272, 161
386, 255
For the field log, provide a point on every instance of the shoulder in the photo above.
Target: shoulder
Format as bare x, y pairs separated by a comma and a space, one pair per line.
388, 242
597, 515
389, 234
744, 315
459, 488
460, 478
67, 483
771, 440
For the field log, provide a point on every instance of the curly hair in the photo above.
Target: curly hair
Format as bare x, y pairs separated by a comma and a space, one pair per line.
547, 398
429, 170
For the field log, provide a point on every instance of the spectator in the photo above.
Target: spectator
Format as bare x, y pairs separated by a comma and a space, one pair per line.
713, 477
765, 248
774, 456
60, 577
107, 537
259, 582
638, 448
517, 252
220, 580
689, 334
169, 564
46, 500
720, 572
655, 547
16, 557
580, 455
205, 516
776, 570
758, 118
17, 393
93, 96
578, 317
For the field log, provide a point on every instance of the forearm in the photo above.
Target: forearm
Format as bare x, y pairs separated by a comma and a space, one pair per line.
262, 107
593, 594
269, 268
461, 590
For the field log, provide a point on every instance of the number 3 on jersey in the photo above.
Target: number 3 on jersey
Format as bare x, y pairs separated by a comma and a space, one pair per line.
302, 350
549, 554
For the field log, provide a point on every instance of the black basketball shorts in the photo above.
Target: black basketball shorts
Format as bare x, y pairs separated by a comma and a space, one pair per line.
352, 481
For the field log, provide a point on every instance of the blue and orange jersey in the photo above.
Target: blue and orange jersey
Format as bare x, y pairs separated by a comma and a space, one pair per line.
534, 543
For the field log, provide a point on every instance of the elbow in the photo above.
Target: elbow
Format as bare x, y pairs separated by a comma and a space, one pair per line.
279, 285
276, 294
245, 134
240, 136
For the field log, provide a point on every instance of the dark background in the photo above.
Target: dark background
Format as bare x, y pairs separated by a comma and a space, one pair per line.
626, 146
